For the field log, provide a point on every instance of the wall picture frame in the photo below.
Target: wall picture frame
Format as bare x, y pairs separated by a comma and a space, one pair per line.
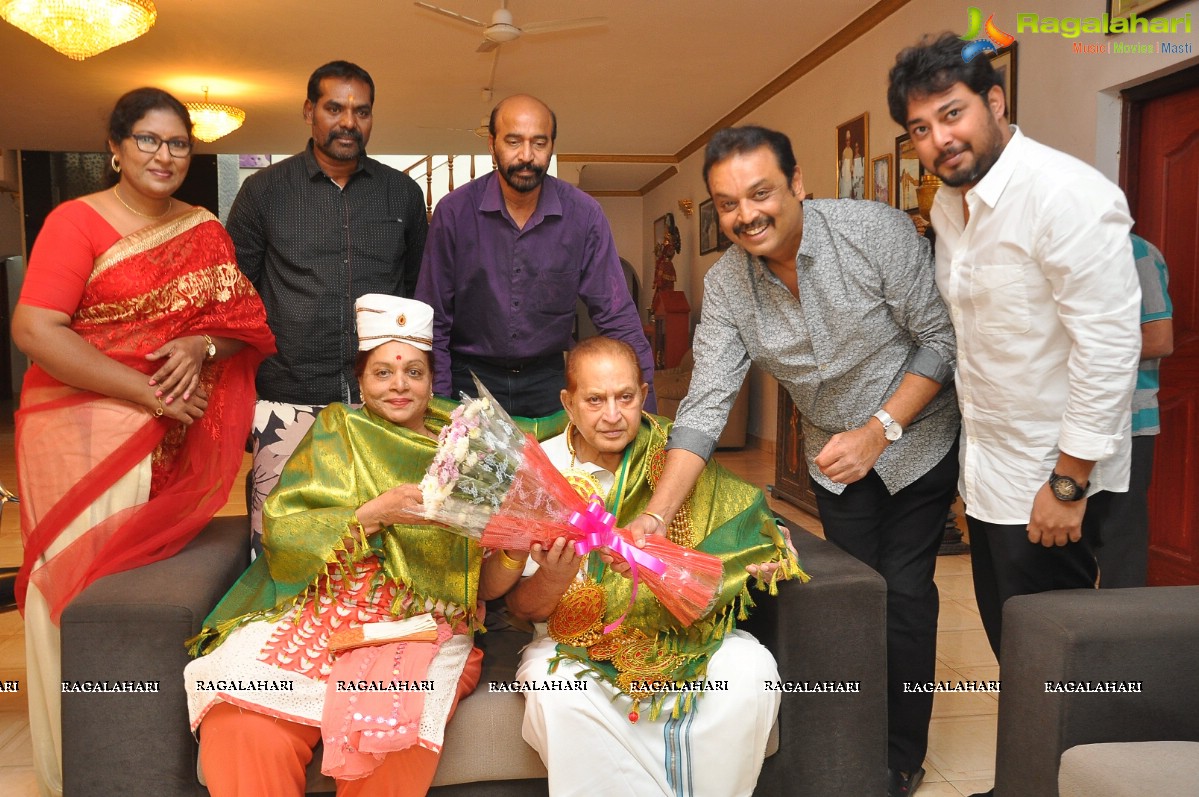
1121, 9
709, 227
853, 153
908, 172
1004, 62
880, 179
661, 225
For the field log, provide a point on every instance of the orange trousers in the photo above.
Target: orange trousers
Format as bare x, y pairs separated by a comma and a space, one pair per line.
247, 754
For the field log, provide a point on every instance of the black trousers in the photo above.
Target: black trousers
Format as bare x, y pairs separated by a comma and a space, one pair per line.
1005, 563
1117, 524
529, 388
898, 536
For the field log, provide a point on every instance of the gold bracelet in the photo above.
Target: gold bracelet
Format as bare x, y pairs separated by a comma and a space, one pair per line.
508, 562
657, 517
160, 410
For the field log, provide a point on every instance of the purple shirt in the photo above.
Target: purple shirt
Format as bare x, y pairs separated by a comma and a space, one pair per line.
504, 293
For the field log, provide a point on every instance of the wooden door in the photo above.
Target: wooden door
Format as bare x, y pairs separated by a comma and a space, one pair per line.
1160, 174
791, 480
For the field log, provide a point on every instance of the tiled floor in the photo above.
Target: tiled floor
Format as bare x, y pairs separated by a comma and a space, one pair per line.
961, 750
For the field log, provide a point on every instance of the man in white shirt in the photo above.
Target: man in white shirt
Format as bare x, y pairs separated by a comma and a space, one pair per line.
1034, 262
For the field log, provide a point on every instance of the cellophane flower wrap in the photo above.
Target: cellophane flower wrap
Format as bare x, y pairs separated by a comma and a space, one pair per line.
490, 482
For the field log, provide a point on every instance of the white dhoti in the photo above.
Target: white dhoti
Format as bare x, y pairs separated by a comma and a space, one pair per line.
590, 748
43, 641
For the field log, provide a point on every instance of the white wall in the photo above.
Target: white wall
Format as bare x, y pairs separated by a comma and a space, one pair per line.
1066, 100
624, 214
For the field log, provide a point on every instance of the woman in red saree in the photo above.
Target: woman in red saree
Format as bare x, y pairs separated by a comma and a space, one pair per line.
144, 338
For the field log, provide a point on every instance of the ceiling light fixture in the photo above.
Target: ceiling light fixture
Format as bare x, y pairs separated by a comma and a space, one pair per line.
81, 28
211, 120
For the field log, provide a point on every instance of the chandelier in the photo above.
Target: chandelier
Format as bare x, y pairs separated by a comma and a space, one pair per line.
81, 28
211, 120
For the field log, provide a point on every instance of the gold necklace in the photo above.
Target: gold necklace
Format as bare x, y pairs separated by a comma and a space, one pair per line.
680, 531
116, 189
585, 484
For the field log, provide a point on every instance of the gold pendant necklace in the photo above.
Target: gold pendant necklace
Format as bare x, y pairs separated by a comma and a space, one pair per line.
116, 189
585, 484
680, 531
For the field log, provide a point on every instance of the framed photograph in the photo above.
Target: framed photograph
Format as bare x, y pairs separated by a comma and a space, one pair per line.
853, 153
664, 225
880, 173
709, 228
1119, 9
253, 161
1004, 62
908, 172
722, 240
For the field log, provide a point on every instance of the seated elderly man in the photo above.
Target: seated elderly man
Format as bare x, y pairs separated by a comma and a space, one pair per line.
659, 703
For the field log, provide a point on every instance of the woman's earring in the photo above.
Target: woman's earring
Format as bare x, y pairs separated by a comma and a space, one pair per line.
116, 164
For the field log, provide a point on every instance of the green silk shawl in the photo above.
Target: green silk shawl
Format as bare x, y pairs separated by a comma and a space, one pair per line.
730, 519
348, 457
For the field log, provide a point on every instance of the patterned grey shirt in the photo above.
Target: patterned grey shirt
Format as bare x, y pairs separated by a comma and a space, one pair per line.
868, 312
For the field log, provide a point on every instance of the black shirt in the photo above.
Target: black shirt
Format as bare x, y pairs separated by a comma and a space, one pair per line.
311, 248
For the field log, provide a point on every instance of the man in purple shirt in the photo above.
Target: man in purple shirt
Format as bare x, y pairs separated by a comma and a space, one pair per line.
506, 258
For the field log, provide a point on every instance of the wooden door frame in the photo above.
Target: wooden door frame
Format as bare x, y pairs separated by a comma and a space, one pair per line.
1135, 98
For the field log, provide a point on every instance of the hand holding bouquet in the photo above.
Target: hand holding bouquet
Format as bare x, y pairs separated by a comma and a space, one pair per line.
496, 485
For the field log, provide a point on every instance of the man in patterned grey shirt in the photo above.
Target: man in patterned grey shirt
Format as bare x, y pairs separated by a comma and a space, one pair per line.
835, 299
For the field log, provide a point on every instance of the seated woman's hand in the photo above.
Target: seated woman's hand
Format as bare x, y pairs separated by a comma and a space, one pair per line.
186, 411
559, 562
180, 374
400, 504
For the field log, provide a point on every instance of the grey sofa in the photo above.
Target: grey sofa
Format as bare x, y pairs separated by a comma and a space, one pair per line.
131, 626
1100, 744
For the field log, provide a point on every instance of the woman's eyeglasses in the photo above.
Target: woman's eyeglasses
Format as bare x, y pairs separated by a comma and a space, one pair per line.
149, 143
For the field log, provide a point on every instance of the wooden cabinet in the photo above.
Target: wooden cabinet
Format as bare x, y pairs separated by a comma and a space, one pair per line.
672, 328
791, 480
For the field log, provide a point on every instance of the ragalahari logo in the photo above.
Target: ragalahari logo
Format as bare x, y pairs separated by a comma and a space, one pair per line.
993, 39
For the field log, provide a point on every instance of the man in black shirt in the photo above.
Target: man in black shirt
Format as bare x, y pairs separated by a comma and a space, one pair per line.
313, 233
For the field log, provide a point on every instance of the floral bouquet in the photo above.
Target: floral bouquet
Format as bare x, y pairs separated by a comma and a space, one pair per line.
496, 485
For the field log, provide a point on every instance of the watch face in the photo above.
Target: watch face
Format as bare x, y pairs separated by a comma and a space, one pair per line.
1064, 488
893, 432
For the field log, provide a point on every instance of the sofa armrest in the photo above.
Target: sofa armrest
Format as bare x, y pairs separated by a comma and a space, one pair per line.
831, 629
1146, 635
131, 626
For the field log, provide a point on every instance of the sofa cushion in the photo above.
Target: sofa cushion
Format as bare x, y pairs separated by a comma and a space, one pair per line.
1130, 769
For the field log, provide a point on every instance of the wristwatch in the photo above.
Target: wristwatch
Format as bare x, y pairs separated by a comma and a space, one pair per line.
892, 430
209, 348
1065, 488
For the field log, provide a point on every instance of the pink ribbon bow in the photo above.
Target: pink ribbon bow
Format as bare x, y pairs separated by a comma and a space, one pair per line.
598, 526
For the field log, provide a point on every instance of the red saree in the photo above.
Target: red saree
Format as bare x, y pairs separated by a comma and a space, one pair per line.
165, 281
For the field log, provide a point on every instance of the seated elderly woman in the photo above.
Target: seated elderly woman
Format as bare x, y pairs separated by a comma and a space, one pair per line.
337, 560
702, 688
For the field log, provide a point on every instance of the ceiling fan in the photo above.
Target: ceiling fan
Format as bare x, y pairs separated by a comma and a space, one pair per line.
502, 28
481, 130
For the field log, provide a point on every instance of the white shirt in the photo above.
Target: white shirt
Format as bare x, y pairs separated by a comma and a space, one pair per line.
1043, 294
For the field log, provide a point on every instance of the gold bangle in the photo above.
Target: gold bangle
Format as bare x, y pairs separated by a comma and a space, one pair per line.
508, 562
657, 517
